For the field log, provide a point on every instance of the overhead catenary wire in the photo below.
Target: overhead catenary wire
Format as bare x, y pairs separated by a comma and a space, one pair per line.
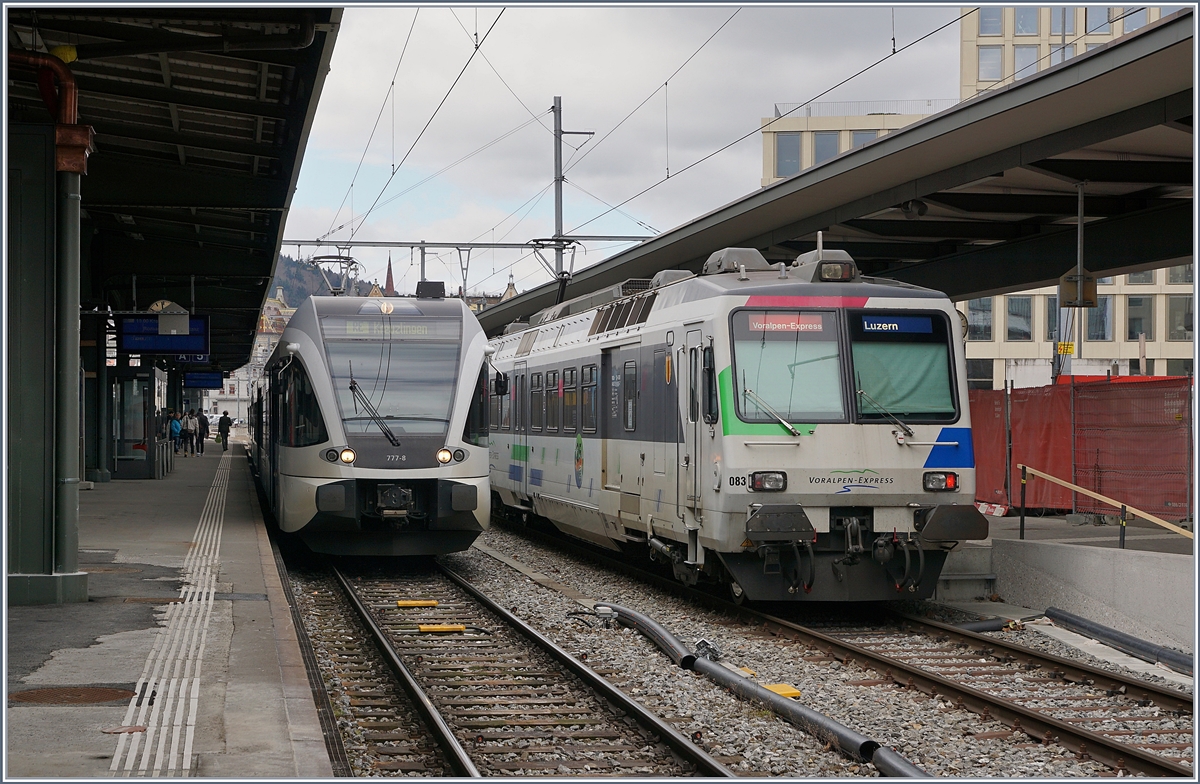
774, 120
390, 93
433, 116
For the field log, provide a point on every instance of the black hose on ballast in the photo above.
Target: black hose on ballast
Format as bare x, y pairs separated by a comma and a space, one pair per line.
989, 625
1134, 646
849, 742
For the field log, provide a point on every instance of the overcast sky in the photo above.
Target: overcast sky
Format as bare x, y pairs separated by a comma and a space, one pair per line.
604, 62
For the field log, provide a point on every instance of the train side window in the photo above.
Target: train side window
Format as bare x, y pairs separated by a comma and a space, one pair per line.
629, 395
710, 387
587, 399
553, 401
537, 402
506, 405
302, 423
494, 413
570, 400
476, 430
693, 384
518, 401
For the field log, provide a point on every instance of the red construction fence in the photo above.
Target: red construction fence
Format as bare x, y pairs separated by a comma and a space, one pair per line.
1131, 442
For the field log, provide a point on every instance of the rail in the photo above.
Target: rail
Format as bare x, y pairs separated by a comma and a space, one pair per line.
1125, 508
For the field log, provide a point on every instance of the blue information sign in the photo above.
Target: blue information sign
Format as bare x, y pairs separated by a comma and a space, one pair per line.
192, 359
194, 379
910, 324
139, 335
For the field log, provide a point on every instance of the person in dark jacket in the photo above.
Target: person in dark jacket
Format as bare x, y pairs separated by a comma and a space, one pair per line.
202, 432
223, 426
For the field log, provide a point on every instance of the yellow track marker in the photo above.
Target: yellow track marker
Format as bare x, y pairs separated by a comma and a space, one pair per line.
441, 627
416, 603
782, 689
748, 671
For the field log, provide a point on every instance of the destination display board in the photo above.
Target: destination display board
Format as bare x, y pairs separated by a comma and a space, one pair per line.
390, 328
199, 379
139, 335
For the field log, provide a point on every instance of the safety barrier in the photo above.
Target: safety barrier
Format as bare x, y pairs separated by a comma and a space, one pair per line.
1125, 508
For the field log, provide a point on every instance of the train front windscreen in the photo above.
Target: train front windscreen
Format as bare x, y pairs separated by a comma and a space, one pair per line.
793, 365
406, 369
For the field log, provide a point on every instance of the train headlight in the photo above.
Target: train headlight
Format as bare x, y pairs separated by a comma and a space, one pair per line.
444, 455
940, 481
768, 481
347, 455
835, 270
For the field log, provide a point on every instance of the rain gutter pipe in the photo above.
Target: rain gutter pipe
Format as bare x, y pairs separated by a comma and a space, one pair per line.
1148, 651
849, 742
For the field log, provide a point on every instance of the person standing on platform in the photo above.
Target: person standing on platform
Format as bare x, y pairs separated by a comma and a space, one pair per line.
176, 432
202, 431
190, 426
223, 426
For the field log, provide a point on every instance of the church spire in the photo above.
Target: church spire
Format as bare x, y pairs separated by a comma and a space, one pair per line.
389, 290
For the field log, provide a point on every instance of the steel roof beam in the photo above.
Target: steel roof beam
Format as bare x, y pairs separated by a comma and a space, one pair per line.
1038, 204
1152, 237
196, 141
121, 179
127, 256
1148, 172
965, 229
891, 251
248, 106
264, 222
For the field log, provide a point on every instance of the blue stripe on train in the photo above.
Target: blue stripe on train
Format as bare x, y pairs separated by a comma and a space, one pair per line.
515, 472
535, 477
961, 456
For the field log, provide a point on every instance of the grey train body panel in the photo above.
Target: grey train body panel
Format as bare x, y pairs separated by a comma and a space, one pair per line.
797, 433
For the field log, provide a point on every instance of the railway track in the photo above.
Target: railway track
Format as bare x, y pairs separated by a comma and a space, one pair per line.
1121, 721
501, 699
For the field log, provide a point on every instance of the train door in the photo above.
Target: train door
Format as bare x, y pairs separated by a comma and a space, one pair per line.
691, 392
662, 400
520, 421
610, 417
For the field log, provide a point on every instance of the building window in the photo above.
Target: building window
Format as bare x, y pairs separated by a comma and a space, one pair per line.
1140, 277
1135, 19
787, 154
1090, 47
990, 63
1020, 318
1106, 281
1025, 60
1060, 53
1179, 367
1027, 20
1097, 21
1179, 317
1135, 367
1099, 319
991, 21
1139, 317
825, 145
859, 138
979, 319
1052, 319
979, 373
1180, 274
1062, 20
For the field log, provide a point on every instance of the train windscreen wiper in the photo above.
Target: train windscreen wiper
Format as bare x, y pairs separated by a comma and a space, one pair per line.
361, 397
908, 431
763, 405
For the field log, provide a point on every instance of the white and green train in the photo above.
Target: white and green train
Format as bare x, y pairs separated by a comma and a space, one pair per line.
796, 431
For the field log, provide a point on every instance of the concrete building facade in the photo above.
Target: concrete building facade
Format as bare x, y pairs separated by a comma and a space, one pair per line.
1013, 337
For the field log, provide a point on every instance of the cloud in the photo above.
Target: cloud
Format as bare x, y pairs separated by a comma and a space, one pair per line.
603, 62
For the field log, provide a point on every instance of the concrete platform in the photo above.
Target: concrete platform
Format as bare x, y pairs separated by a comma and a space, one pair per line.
187, 611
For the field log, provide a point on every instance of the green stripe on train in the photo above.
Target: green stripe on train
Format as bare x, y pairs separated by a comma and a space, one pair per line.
732, 426
520, 453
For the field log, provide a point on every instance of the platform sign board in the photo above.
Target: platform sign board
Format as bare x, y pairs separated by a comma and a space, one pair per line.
192, 359
140, 335
194, 379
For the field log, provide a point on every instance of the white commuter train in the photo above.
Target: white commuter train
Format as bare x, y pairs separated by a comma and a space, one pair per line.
798, 432
369, 427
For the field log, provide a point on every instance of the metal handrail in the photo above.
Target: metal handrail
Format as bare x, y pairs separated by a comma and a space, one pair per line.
1125, 508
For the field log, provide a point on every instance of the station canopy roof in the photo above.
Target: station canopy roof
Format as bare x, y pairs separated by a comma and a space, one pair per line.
981, 198
201, 117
